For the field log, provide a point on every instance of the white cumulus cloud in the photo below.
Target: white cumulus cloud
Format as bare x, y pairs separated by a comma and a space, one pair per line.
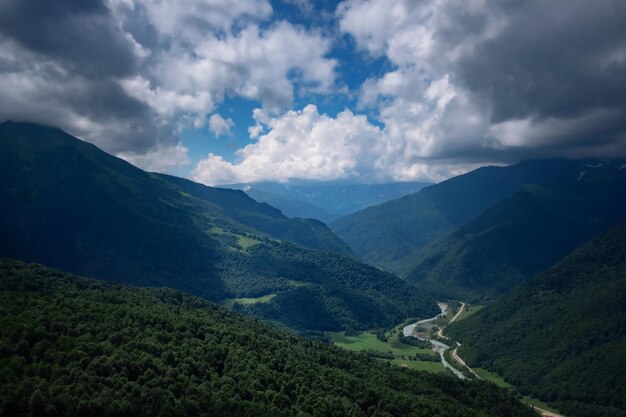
220, 126
305, 144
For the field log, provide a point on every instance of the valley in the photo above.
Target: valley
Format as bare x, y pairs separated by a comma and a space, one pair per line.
300, 208
430, 331
414, 345
298, 275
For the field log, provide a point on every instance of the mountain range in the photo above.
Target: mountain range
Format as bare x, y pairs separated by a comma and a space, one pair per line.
519, 239
389, 234
67, 204
521, 235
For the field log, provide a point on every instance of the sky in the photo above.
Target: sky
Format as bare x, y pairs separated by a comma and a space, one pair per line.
361, 91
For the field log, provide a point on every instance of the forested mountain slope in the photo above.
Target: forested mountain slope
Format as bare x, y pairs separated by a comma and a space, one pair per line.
386, 234
562, 336
520, 236
73, 347
67, 204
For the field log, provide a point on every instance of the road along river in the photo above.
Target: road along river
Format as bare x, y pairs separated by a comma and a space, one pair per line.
440, 348
409, 331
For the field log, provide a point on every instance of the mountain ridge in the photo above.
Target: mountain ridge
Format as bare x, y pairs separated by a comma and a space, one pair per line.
67, 204
562, 335
386, 234
520, 236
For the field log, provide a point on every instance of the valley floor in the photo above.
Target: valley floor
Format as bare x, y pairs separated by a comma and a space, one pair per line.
424, 357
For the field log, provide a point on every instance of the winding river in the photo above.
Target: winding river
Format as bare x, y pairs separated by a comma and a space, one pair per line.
440, 348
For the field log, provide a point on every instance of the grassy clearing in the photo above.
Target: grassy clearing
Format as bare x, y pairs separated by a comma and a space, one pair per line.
493, 377
499, 381
401, 352
230, 302
538, 403
469, 311
245, 242
364, 341
294, 283
216, 230
369, 341
434, 367
400, 349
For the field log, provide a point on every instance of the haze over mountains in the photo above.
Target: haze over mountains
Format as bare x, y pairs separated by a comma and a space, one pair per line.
325, 201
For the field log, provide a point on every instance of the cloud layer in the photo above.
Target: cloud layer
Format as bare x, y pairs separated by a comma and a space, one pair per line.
129, 74
470, 84
461, 84
496, 80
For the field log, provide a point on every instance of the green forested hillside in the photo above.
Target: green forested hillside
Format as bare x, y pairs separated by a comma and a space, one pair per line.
520, 236
67, 204
562, 336
385, 235
264, 218
71, 346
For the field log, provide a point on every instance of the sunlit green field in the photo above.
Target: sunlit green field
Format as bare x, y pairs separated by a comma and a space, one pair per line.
294, 283
434, 367
230, 302
246, 242
369, 341
401, 351
493, 377
499, 381
469, 311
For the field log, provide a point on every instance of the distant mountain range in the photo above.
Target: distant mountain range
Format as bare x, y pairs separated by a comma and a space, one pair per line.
67, 204
562, 336
324, 201
289, 206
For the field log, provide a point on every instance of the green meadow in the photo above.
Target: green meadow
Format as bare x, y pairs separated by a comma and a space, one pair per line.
403, 353
468, 311
230, 302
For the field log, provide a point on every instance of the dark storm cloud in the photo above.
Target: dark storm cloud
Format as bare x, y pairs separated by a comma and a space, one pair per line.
553, 59
77, 33
60, 65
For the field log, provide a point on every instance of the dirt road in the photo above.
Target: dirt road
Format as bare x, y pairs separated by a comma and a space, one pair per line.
546, 413
457, 358
460, 361
458, 313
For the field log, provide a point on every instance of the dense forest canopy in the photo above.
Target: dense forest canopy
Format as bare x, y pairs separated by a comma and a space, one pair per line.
72, 346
